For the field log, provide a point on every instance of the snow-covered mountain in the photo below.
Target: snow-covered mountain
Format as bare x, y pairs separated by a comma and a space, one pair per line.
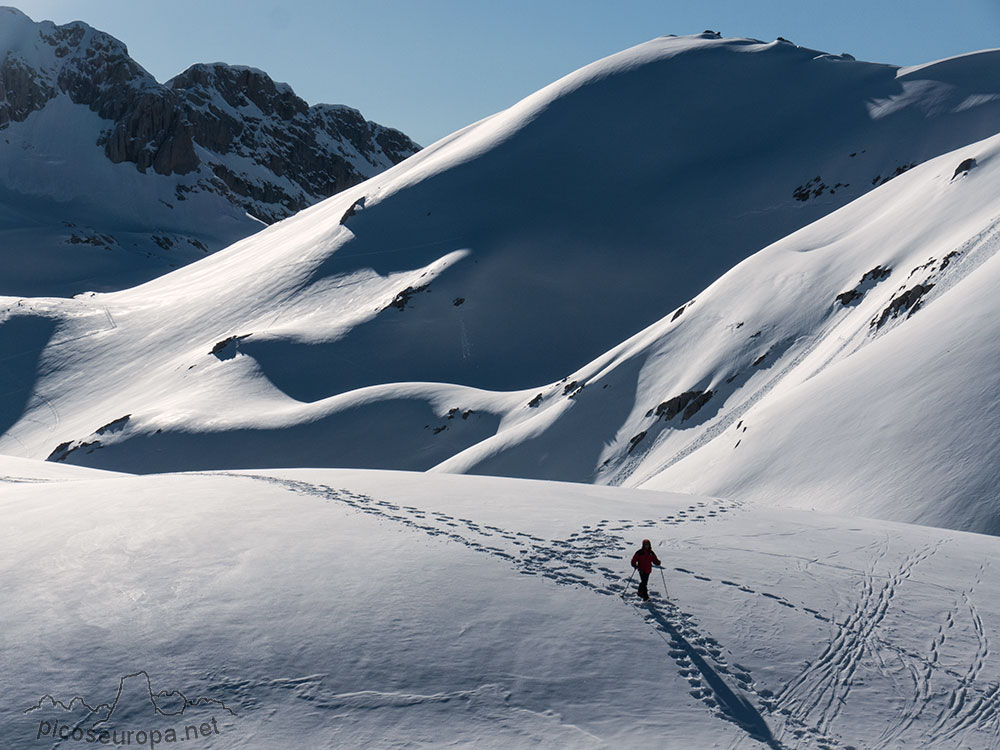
443, 314
109, 178
326, 608
751, 272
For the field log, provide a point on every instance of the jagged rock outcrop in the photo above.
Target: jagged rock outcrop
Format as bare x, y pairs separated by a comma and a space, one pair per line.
195, 123
22, 93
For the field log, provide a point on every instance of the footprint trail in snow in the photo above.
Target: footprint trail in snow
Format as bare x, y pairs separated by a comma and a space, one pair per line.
803, 712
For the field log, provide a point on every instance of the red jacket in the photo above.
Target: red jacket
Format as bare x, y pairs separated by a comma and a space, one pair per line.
644, 560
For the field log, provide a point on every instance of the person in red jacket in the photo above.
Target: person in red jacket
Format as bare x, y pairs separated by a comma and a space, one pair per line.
643, 561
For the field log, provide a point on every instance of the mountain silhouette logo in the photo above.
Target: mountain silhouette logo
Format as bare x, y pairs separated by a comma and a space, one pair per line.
135, 697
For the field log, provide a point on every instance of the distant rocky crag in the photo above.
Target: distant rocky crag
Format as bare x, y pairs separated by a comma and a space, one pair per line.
254, 141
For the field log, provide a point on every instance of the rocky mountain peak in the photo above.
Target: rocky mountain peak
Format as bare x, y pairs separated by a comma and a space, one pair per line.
240, 86
217, 131
223, 108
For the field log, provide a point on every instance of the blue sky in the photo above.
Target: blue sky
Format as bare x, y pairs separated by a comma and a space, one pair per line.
430, 67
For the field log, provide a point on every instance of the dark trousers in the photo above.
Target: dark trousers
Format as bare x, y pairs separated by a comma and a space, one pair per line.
643, 580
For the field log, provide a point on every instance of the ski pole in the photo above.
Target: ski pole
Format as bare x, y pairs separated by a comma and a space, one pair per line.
664, 579
625, 590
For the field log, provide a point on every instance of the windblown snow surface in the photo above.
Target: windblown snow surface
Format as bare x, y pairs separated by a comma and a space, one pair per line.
333, 608
751, 273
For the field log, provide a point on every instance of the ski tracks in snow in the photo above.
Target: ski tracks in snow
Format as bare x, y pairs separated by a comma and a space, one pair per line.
807, 708
818, 694
924, 682
968, 707
582, 559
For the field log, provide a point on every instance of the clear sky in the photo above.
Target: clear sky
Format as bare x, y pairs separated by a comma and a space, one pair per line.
429, 67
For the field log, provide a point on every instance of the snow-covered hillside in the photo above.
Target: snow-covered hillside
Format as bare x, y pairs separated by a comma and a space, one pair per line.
324, 608
751, 272
109, 178
848, 367
442, 314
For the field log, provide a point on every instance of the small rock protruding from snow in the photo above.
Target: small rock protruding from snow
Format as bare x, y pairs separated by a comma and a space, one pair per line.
358, 205
908, 302
964, 167
870, 279
228, 347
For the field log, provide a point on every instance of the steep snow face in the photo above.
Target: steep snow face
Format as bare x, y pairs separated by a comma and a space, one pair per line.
110, 178
315, 608
424, 318
850, 366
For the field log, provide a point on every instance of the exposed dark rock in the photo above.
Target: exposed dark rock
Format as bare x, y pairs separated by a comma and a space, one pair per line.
636, 439
116, 425
846, 298
760, 359
295, 154
695, 405
879, 180
458, 301
96, 239
227, 348
964, 167
674, 406
812, 189
869, 280
815, 188
876, 274
535, 401
62, 452
400, 300
358, 205
908, 302
946, 260
21, 91
153, 133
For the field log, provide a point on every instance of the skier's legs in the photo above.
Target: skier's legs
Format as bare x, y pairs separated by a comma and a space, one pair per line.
643, 580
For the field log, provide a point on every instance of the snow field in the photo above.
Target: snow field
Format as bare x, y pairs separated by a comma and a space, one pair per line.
386, 608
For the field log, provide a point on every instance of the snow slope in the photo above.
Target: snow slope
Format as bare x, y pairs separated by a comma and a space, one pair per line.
848, 367
466, 309
324, 608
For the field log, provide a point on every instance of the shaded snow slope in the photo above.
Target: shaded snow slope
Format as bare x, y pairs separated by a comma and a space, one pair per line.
109, 178
865, 337
443, 314
364, 609
849, 367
